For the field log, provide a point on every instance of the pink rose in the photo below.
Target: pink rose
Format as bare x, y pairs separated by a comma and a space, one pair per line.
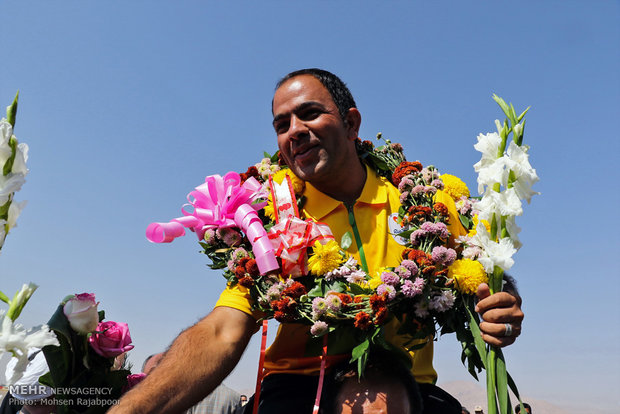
81, 311
111, 339
133, 380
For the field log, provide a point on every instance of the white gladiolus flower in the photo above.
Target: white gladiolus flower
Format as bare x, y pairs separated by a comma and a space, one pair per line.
492, 172
23, 296
21, 156
488, 145
513, 231
518, 162
6, 131
16, 340
10, 184
15, 210
494, 253
506, 203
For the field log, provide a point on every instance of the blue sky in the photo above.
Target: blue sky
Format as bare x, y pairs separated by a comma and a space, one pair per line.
126, 106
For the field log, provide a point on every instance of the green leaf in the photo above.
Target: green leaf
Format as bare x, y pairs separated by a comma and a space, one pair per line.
346, 241
11, 110
520, 117
502, 104
360, 350
4, 298
101, 314
478, 341
465, 221
266, 154
491, 400
502, 384
356, 289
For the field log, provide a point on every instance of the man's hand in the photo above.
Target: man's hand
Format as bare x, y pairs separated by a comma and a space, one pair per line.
497, 311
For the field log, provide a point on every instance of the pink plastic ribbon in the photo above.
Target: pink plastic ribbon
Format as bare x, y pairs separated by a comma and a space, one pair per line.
219, 203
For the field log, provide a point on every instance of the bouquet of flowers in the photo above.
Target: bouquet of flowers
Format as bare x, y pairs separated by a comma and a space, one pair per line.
91, 357
85, 355
250, 226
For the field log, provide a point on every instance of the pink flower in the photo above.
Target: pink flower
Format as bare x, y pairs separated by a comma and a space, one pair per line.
81, 312
319, 328
443, 256
111, 339
133, 380
386, 289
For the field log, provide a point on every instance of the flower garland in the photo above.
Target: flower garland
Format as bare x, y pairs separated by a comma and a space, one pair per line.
431, 291
427, 291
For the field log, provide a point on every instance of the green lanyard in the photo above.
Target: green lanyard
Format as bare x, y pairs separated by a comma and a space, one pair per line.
358, 239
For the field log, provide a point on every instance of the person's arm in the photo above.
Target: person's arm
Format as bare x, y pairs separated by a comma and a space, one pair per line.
497, 310
196, 363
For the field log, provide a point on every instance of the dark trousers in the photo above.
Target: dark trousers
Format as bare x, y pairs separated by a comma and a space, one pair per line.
290, 393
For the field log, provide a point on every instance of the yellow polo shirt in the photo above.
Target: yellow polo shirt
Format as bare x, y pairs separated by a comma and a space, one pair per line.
293, 350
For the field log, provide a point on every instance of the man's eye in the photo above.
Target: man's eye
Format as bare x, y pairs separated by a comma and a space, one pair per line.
310, 114
281, 127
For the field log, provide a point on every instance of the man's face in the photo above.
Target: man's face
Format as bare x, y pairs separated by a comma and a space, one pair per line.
312, 137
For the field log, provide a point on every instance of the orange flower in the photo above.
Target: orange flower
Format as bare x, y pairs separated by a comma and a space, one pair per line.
405, 168
441, 208
362, 321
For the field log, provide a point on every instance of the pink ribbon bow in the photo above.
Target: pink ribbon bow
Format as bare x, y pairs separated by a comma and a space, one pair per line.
220, 203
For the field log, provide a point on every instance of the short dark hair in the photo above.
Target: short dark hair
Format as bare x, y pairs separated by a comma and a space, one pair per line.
525, 405
338, 90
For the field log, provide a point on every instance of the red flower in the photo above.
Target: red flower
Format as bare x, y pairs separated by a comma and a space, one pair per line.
381, 316
251, 172
246, 281
420, 210
240, 272
362, 321
377, 302
420, 257
405, 168
441, 209
251, 267
295, 290
428, 270
346, 299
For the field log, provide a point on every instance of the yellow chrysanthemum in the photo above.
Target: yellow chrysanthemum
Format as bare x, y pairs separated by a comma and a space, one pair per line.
268, 209
375, 281
476, 220
468, 275
325, 258
298, 184
454, 186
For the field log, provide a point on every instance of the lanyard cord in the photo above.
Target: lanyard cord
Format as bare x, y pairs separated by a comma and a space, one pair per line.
358, 239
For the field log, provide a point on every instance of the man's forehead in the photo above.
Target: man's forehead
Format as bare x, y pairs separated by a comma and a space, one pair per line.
299, 89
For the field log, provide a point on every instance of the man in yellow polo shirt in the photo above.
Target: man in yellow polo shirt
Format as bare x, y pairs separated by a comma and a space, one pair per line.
316, 122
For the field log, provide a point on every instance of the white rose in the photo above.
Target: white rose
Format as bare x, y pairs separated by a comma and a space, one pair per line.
81, 311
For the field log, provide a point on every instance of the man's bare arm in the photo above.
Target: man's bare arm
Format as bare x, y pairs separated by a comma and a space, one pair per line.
196, 363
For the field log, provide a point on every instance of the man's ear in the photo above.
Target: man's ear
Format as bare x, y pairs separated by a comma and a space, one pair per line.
352, 122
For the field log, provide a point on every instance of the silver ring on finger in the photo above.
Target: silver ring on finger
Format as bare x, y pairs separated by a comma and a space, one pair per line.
509, 329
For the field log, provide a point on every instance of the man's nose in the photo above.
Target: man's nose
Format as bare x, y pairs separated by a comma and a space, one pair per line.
297, 128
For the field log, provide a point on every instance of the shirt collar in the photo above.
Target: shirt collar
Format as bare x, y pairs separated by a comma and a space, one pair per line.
318, 205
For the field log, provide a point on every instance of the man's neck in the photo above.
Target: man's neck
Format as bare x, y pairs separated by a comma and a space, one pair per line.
347, 187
